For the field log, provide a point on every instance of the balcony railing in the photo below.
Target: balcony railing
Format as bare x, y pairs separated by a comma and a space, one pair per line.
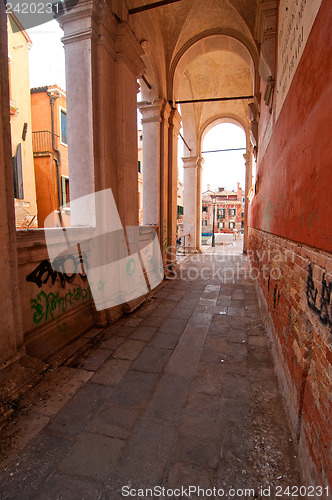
42, 142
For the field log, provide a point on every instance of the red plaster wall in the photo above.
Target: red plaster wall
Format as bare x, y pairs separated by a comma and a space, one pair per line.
295, 174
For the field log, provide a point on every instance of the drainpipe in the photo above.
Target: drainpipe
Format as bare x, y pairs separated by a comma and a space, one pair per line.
58, 154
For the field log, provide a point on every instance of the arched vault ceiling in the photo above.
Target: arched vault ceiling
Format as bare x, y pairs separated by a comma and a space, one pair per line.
216, 74
179, 22
208, 14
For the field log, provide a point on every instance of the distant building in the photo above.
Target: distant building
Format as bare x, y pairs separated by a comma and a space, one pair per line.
20, 124
50, 152
180, 202
229, 210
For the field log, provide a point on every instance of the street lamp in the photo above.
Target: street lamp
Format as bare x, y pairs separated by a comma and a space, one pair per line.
214, 215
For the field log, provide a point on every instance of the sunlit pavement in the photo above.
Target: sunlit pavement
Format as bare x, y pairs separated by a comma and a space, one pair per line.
182, 392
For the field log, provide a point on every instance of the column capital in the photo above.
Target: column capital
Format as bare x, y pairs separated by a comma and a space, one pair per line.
248, 156
200, 162
192, 162
151, 111
129, 50
90, 19
175, 120
166, 111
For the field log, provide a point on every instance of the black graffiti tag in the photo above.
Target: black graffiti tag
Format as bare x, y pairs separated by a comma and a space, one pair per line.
45, 271
325, 300
324, 307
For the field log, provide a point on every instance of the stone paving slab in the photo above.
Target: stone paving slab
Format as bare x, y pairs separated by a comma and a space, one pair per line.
165, 340
30, 469
151, 360
146, 456
134, 389
92, 456
130, 349
72, 419
111, 372
169, 397
181, 392
114, 421
62, 486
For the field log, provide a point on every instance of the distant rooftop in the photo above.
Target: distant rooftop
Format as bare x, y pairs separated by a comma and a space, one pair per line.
45, 88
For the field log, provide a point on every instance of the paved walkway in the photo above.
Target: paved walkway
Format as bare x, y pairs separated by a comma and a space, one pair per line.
180, 393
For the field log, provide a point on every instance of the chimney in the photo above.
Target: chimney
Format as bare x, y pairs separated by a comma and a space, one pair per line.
208, 187
239, 192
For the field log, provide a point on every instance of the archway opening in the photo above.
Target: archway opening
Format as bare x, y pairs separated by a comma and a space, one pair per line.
223, 185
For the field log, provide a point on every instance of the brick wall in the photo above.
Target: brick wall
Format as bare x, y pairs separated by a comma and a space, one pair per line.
295, 285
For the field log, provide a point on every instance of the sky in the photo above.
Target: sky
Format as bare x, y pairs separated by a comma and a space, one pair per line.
46, 57
225, 169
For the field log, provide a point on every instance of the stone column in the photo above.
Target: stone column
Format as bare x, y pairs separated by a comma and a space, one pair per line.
192, 202
164, 131
151, 161
248, 156
11, 339
173, 134
102, 66
200, 163
155, 166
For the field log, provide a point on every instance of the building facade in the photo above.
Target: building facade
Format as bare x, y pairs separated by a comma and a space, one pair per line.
227, 209
20, 124
50, 154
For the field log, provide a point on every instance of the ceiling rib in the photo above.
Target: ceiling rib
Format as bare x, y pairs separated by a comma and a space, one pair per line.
215, 99
222, 150
150, 6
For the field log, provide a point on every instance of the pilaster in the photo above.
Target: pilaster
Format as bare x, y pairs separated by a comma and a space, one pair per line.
173, 134
248, 156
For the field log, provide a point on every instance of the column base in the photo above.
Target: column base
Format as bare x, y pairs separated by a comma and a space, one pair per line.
192, 250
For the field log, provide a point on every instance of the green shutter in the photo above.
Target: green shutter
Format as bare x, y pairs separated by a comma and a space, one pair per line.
18, 174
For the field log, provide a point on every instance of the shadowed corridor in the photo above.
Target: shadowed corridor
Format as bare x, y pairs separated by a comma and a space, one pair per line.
182, 392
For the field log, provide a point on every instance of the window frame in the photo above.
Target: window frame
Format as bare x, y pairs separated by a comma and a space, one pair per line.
65, 205
64, 111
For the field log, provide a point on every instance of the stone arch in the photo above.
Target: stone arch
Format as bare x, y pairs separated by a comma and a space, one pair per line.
216, 120
209, 41
230, 118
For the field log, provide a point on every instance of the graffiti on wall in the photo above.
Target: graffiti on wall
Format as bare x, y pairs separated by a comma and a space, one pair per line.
47, 306
45, 271
320, 302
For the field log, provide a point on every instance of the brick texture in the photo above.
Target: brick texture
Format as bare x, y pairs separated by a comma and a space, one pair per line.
296, 282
